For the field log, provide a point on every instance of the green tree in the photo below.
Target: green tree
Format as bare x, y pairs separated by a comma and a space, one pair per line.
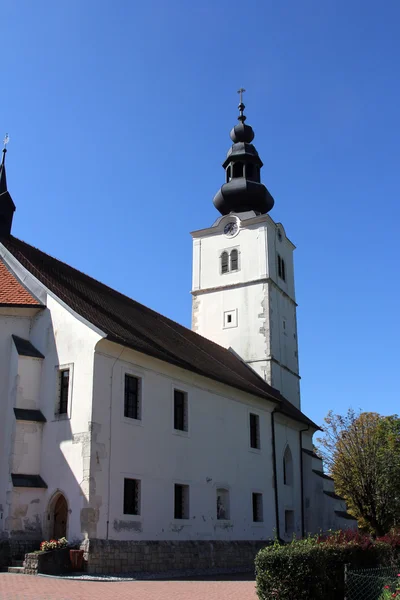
361, 451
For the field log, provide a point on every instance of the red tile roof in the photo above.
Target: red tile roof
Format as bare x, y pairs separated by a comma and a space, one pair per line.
12, 292
131, 324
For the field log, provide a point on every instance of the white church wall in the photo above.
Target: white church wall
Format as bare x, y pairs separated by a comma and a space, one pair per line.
259, 304
214, 454
289, 496
65, 453
9, 324
29, 381
246, 334
26, 448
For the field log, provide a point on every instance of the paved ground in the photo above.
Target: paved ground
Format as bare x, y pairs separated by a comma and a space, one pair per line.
29, 587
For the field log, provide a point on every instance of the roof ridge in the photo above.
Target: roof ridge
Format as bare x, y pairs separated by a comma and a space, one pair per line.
158, 315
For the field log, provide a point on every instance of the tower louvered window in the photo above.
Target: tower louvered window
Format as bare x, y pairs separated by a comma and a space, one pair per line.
234, 260
224, 262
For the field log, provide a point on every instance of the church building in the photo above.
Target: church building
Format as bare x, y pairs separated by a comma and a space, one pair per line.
153, 445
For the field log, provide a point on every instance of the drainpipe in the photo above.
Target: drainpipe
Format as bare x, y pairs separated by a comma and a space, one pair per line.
302, 480
110, 434
278, 535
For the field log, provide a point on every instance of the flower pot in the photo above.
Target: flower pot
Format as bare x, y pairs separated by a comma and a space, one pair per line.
76, 558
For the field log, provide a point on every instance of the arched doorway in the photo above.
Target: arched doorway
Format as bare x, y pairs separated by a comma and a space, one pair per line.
58, 516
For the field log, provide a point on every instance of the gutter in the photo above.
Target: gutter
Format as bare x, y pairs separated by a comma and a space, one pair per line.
275, 474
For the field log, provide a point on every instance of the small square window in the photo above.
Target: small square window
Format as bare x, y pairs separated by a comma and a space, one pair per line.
132, 404
132, 497
64, 376
230, 319
257, 508
223, 504
180, 411
181, 508
254, 431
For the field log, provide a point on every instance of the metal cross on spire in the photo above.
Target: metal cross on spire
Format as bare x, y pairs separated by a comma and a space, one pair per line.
241, 92
5, 142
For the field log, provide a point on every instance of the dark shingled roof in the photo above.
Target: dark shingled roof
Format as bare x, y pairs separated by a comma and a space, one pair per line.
131, 324
26, 348
32, 481
333, 495
311, 453
345, 515
322, 474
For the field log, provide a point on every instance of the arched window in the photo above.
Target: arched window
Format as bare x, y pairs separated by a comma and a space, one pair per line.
234, 260
287, 467
228, 174
238, 169
224, 262
222, 504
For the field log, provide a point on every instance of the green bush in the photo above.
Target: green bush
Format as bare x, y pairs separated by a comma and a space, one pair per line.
314, 568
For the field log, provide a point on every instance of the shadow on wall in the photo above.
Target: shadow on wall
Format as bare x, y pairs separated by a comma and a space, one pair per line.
61, 508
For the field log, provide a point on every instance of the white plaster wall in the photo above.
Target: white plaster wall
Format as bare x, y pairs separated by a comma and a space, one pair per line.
26, 448
9, 324
65, 453
215, 453
266, 328
289, 496
29, 381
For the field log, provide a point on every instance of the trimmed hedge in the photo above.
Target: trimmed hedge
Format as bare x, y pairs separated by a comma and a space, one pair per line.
314, 568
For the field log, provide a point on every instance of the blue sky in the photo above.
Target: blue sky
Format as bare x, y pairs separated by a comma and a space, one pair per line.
119, 114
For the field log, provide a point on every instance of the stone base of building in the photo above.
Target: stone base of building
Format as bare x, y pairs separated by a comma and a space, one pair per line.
15, 549
112, 556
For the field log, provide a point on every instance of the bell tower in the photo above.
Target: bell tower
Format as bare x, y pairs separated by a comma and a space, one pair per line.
243, 274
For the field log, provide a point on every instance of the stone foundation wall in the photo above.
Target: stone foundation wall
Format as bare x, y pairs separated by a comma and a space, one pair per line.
14, 549
112, 556
54, 562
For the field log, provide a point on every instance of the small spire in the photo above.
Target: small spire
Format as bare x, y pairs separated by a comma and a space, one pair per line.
3, 179
241, 106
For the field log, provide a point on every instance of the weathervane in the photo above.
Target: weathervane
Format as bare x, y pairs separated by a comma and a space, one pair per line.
6, 140
241, 116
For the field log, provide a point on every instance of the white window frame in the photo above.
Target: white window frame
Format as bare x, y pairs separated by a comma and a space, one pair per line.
234, 322
228, 251
59, 368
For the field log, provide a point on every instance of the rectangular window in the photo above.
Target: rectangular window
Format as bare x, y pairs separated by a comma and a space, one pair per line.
254, 431
64, 391
180, 410
131, 497
257, 508
281, 268
181, 510
289, 522
132, 397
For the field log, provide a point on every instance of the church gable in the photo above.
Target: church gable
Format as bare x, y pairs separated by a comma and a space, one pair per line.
12, 292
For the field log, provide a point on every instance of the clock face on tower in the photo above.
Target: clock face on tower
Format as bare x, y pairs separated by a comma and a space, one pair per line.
231, 228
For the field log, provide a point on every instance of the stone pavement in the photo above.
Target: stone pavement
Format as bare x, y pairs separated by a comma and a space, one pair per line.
29, 587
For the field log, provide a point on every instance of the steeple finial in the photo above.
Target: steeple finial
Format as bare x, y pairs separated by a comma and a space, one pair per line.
241, 106
5, 142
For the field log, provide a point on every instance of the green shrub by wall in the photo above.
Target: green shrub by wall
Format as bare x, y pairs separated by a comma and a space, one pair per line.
314, 568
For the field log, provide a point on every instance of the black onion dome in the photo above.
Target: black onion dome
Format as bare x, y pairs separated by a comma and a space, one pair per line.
242, 133
243, 190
